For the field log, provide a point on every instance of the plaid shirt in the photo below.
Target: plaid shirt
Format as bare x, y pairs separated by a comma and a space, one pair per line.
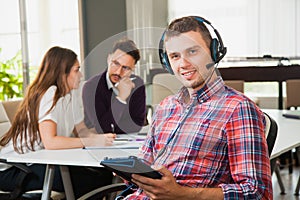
216, 140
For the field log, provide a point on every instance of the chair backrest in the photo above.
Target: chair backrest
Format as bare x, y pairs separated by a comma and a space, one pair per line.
11, 107
163, 85
4, 120
106, 191
236, 84
7, 112
271, 130
292, 93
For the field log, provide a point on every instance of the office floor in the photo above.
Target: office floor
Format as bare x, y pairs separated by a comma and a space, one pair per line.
289, 181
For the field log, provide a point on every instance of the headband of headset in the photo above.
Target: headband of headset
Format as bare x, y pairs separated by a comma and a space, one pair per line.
217, 48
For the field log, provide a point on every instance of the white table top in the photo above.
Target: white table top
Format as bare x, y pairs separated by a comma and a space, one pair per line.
79, 157
288, 136
75, 157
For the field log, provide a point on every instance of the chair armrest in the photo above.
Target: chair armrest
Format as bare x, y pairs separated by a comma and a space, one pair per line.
105, 190
18, 190
18, 165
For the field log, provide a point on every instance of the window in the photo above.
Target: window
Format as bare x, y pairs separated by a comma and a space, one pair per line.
49, 22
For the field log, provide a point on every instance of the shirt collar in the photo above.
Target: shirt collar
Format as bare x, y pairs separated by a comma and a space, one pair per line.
110, 85
206, 92
210, 89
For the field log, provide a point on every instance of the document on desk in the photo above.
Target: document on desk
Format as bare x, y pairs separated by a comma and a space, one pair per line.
126, 141
116, 146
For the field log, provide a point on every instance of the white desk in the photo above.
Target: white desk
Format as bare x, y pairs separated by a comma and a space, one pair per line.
288, 136
64, 158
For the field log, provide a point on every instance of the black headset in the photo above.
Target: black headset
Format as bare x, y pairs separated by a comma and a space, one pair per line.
217, 48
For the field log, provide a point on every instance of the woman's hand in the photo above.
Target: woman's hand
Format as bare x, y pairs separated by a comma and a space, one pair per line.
94, 140
109, 138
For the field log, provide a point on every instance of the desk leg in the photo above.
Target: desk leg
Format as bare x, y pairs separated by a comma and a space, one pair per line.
297, 187
64, 170
48, 181
298, 183
280, 96
277, 172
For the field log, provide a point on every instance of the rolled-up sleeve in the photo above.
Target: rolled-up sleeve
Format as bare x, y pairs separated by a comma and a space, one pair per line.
248, 155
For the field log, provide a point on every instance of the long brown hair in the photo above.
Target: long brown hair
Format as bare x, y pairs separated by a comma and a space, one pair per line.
55, 67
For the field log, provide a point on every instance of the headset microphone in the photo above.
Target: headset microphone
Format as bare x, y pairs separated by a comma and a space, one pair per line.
209, 65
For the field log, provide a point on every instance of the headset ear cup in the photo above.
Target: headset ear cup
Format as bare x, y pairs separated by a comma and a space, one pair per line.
163, 57
214, 46
166, 64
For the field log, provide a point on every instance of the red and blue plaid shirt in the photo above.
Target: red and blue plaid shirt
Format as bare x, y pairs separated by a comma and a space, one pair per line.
216, 140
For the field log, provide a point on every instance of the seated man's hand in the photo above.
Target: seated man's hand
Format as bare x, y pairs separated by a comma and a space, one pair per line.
167, 188
125, 86
164, 188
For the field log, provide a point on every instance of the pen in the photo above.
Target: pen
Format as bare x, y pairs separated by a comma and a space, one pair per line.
112, 128
130, 139
133, 78
110, 147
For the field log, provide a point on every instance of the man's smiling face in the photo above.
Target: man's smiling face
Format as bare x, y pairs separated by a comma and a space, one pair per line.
188, 56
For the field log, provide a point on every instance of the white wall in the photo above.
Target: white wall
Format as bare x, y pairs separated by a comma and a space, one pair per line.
249, 27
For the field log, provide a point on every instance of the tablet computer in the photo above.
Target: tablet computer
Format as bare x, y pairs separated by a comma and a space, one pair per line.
125, 167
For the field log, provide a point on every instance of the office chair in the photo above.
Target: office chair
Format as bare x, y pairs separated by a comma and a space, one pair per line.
271, 130
292, 102
18, 191
297, 187
7, 112
292, 94
4, 127
105, 192
163, 85
236, 84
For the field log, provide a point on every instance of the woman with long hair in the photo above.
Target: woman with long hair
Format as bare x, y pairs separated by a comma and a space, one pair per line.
48, 118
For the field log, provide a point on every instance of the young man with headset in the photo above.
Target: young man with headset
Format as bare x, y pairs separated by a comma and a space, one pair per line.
208, 140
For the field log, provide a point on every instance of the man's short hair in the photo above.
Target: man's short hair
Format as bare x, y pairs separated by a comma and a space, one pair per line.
186, 24
129, 47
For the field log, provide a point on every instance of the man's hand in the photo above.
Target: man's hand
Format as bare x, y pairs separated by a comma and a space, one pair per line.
164, 188
125, 86
167, 188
